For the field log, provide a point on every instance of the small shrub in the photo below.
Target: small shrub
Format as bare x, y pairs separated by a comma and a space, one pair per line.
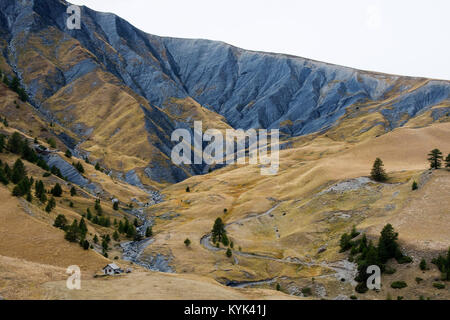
423, 265
404, 259
438, 285
398, 285
361, 287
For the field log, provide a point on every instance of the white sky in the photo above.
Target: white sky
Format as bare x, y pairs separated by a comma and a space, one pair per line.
406, 37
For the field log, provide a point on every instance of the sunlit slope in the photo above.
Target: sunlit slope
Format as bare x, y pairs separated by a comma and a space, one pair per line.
157, 286
26, 234
306, 219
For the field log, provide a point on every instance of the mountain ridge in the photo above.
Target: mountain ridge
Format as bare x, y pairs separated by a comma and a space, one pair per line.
166, 76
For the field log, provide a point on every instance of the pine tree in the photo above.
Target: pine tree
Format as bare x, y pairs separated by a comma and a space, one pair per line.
121, 227
3, 177
83, 227
86, 245
116, 205
68, 154
447, 161
15, 143
88, 214
95, 239
72, 232
345, 242
187, 242
218, 231
56, 190
15, 84
60, 222
415, 186
387, 244
131, 231
378, 173
98, 207
116, 236
78, 166
2, 142
423, 265
148, 232
51, 204
435, 157
229, 253
18, 171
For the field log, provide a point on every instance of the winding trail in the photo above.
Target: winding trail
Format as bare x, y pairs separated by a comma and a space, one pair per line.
342, 269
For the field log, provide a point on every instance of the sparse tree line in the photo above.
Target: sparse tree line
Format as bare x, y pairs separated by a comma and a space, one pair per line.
366, 254
75, 232
14, 85
435, 158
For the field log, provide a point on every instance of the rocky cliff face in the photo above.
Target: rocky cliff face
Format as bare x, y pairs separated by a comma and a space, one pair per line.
153, 81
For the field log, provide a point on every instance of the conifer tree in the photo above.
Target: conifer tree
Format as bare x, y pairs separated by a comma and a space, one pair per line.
18, 171
378, 173
387, 245
57, 190
148, 232
60, 222
218, 231
15, 143
435, 157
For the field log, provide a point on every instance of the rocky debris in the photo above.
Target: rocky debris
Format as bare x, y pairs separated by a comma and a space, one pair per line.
341, 297
348, 185
244, 284
132, 178
294, 290
72, 174
320, 291
132, 251
344, 269
158, 262
169, 215
424, 177
322, 249
337, 216
390, 207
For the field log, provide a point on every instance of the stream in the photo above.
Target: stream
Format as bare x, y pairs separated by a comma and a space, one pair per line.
132, 250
